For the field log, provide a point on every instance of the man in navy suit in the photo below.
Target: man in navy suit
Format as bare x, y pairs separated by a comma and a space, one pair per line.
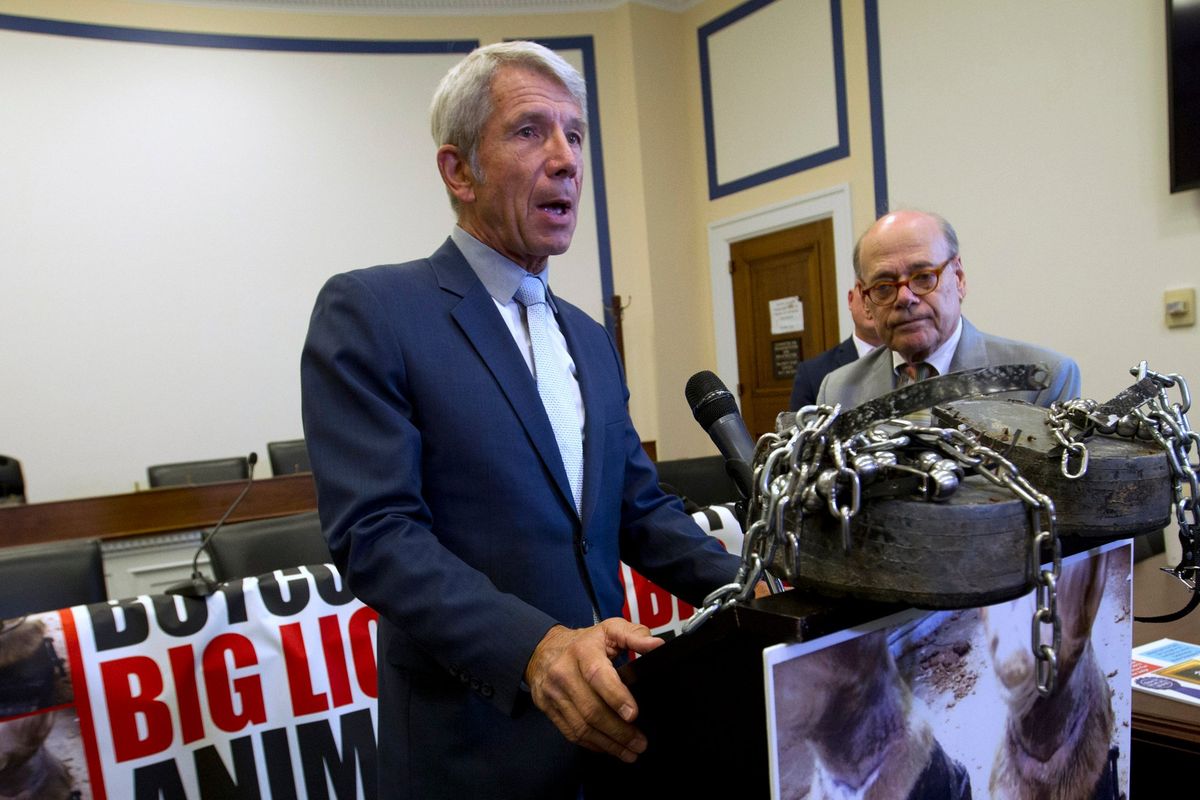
443, 490
863, 340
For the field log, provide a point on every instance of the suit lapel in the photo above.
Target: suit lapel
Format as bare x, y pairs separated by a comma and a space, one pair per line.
883, 373
971, 351
481, 323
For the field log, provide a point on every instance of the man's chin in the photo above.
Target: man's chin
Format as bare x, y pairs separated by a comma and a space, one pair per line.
557, 245
913, 349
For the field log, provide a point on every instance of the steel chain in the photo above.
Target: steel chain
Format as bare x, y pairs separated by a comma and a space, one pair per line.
1167, 424
1045, 547
806, 469
1070, 439
1159, 420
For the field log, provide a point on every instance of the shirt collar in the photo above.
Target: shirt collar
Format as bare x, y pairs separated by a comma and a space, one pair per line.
940, 359
499, 275
862, 347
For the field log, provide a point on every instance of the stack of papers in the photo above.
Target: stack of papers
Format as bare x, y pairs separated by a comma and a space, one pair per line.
1168, 668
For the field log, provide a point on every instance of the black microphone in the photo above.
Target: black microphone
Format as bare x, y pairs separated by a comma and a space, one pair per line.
199, 585
717, 412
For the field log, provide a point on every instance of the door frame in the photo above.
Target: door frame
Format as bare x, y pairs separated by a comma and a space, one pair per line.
833, 203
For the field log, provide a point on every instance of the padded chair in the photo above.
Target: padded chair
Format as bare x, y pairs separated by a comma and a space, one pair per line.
702, 480
45, 577
247, 549
190, 473
12, 482
288, 458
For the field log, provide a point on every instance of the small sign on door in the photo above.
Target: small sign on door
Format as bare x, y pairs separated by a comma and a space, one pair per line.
787, 315
785, 354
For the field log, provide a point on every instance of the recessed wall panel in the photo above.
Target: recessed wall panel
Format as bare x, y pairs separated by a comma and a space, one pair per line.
774, 91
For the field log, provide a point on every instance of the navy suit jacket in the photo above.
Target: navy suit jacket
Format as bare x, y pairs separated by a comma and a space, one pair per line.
447, 507
811, 372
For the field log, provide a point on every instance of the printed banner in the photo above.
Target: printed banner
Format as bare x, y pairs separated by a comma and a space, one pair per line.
265, 689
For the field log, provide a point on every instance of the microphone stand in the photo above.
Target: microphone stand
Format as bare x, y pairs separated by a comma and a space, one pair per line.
200, 585
717, 412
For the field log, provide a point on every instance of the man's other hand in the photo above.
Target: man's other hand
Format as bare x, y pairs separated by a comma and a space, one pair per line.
573, 681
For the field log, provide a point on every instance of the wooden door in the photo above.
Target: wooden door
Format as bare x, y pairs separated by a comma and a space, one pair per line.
785, 308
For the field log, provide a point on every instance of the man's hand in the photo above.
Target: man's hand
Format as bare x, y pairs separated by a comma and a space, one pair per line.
573, 681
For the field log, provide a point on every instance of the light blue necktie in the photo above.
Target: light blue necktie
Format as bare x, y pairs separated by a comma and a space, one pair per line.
552, 385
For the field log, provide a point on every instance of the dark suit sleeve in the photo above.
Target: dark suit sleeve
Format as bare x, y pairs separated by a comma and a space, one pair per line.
626, 515
367, 451
810, 374
804, 388
658, 538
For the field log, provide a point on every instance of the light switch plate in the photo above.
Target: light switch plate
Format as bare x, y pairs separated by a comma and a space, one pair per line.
1179, 307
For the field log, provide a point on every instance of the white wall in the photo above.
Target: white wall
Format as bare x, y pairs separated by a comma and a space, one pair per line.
1040, 130
168, 214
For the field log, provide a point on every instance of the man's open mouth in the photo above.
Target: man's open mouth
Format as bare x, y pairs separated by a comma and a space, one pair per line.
557, 207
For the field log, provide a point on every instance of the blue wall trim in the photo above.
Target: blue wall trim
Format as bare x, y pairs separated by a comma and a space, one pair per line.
875, 90
585, 45
838, 151
277, 43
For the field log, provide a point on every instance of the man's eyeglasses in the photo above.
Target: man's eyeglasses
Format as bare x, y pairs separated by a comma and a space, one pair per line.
922, 282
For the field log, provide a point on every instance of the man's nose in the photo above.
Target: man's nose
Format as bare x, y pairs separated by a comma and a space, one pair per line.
562, 158
905, 296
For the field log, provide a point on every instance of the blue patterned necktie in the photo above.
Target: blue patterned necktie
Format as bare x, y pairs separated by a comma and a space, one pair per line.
551, 379
913, 373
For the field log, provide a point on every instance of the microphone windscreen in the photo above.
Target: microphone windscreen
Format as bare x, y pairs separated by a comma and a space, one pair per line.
708, 398
252, 459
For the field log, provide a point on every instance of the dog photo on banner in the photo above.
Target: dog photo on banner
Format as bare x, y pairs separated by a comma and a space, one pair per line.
946, 704
41, 754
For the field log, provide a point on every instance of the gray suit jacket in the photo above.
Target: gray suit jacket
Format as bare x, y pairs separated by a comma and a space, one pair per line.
873, 375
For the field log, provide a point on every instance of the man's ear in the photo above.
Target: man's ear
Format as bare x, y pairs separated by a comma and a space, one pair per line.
961, 277
456, 173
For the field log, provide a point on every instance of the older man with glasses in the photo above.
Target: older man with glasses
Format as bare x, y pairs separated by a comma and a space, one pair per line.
911, 276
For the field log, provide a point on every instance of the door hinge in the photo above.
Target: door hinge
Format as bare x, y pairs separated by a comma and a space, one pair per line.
732, 266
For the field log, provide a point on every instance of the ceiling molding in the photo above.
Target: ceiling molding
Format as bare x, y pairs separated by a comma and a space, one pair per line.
437, 8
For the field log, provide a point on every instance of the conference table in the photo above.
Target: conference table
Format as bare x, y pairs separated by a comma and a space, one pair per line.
148, 538
155, 511
1165, 735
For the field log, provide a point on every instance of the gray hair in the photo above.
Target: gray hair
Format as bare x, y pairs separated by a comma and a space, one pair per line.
949, 236
463, 100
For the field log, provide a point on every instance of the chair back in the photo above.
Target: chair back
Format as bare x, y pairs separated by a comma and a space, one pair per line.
288, 458
45, 577
190, 473
12, 482
702, 480
252, 548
